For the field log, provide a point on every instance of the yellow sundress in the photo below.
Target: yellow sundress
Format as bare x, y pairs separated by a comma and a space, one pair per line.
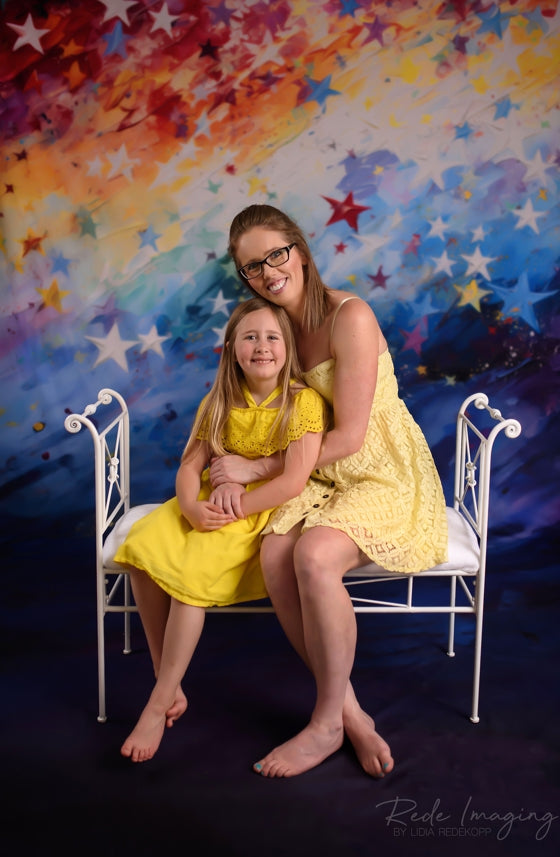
220, 567
387, 497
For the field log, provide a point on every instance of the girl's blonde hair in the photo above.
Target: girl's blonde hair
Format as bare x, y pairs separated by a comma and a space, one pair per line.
227, 392
266, 216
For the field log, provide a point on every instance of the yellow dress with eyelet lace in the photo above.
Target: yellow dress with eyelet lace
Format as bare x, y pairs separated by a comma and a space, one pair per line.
387, 497
220, 567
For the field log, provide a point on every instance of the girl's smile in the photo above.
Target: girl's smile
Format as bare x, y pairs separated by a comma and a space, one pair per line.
260, 350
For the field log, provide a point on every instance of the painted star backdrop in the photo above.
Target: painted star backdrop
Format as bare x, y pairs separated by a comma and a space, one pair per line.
416, 143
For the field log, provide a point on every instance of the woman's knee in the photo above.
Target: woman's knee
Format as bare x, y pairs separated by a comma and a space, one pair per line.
321, 555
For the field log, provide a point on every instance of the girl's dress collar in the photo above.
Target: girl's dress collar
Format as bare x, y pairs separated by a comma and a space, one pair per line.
251, 402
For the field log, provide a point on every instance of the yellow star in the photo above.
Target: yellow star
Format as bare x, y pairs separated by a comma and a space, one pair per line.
53, 296
72, 49
75, 76
471, 294
255, 185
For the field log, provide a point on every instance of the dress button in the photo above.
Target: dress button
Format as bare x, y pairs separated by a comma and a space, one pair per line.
317, 471
315, 505
326, 496
332, 484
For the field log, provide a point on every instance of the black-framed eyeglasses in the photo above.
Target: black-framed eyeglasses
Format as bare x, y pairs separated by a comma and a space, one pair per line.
277, 257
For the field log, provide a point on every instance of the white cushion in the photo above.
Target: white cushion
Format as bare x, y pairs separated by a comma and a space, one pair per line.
463, 549
120, 531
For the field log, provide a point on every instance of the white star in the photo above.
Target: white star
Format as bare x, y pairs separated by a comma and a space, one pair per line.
117, 9
163, 20
95, 166
478, 233
432, 168
437, 228
444, 264
112, 347
537, 169
220, 333
528, 217
151, 341
28, 35
477, 263
221, 304
372, 242
121, 163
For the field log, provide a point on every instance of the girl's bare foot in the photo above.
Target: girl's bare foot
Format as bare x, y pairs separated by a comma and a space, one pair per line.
301, 753
177, 709
372, 751
145, 738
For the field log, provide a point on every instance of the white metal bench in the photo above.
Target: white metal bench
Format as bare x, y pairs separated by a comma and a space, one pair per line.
467, 517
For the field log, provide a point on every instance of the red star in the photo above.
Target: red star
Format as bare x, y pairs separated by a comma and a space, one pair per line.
413, 244
32, 242
346, 210
340, 248
379, 279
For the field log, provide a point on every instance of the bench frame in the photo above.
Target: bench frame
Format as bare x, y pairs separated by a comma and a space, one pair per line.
471, 495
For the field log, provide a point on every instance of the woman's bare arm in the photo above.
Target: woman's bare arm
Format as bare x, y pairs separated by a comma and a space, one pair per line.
299, 461
235, 468
355, 344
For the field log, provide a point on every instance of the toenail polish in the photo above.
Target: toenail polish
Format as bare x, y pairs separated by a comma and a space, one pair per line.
258, 767
385, 766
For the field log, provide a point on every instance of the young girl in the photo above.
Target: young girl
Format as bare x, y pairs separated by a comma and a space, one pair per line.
191, 553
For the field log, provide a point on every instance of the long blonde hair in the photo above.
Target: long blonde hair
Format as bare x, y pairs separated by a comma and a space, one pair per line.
316, 305
227, 389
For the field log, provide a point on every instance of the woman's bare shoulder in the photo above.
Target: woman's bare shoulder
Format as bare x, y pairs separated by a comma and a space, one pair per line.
358, 317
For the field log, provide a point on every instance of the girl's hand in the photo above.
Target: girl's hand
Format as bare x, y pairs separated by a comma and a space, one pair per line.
205, 517
232, 468
227, 497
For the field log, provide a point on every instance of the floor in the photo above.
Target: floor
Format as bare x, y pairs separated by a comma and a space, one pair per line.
457, 788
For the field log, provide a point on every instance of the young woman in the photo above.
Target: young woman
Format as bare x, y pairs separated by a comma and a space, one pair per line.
189, 553
375, 493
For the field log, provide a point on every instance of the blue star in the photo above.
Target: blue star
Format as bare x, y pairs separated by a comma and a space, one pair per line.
535, 21
519, 301
348, 7
320, 89
148, 237
60, 263
115, 41
463, 131
491, 21
503, 106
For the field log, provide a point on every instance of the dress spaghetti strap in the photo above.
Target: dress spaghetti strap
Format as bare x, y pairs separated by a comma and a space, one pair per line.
342, 302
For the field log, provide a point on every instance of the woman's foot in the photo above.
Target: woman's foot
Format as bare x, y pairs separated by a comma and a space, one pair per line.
373, 752
177, 709
144, 740
305, 751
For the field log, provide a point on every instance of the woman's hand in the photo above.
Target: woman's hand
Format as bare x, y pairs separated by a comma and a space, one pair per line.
233, 468
205, 517
227, 497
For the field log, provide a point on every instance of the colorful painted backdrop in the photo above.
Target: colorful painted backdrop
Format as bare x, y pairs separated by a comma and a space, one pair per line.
416, 142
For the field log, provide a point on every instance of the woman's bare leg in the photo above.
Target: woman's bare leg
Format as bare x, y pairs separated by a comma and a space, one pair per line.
182, 633
153, 606
332, 665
